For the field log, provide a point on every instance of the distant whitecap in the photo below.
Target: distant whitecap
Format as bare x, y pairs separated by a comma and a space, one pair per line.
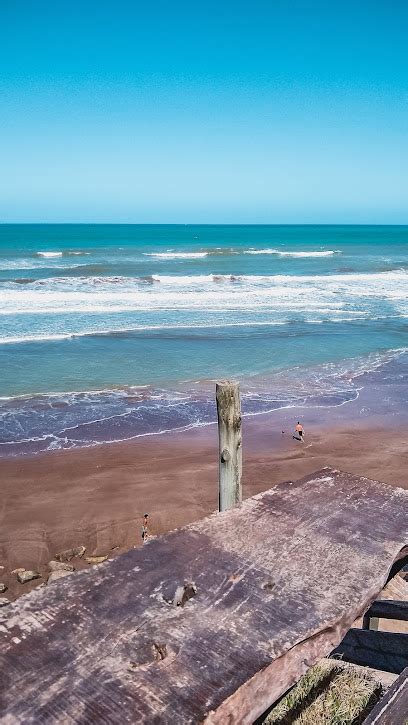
49, 254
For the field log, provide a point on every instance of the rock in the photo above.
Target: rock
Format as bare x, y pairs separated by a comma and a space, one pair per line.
96, 559
27, 575
3, 588
79, 551
18, 571
58, 574
69, 554
4, 601
59, 566
65, 555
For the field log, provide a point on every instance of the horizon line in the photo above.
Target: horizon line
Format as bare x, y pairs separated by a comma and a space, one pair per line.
209, 224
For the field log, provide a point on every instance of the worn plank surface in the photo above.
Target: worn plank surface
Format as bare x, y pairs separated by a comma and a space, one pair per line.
279, 580
392, 709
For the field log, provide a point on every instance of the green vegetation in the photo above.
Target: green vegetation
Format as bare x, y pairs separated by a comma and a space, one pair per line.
329, 693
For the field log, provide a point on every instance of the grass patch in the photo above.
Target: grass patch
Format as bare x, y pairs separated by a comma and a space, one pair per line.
328, 694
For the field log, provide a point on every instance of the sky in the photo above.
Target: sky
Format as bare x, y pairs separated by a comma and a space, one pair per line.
283, 111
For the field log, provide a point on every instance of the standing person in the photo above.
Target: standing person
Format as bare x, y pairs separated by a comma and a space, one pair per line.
300, 431
145, 527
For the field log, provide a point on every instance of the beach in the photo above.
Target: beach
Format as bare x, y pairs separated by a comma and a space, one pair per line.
96, 497
112, 338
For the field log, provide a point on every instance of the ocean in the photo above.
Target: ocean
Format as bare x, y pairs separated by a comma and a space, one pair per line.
109, 332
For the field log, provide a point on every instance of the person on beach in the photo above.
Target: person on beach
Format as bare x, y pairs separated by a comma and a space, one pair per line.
145, 528
300, 432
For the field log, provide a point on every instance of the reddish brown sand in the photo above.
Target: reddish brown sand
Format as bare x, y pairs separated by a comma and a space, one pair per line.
96, 497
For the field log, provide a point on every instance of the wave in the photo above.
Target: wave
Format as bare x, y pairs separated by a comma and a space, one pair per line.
49, 254
117, 332
76, 253
280, 253
327, 253
44, 262
352, 316
98, 280
65, 253
176, 255
171, 279
77, 419
209, 293
201, 254
398, 275
219, 251
7, 264
261, 251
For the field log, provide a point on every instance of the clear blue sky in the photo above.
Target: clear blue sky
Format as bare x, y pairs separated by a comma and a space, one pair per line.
204, 111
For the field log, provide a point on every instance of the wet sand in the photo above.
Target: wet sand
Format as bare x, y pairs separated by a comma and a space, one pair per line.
96, 497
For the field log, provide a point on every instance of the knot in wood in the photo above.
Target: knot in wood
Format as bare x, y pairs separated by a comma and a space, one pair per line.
160, 651
236, 423
225, 455
183, 593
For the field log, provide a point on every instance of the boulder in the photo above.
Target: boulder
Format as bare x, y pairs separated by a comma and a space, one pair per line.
69, 554
96, 559
58, 574
4, 601
27, 575
3, 588
59, 566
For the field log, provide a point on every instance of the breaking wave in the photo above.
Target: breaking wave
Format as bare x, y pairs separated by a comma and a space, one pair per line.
49, 254
176, 255
219, 251
327, 253
282, 253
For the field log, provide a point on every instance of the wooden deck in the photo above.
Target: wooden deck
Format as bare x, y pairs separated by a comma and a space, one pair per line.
264, 591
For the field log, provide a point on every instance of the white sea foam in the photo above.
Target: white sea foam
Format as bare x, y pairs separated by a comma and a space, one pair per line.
376, 283
76, 253
49, 254
38, 338
94, 417
217, 251
284, 253
211, 293
184, 280
261, 251
40, 263
176, 255
327, 253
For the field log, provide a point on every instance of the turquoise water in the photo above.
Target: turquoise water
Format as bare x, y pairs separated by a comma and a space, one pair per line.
111, 331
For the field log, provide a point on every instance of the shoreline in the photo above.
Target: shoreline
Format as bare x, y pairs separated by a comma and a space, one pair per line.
96, 497
133, 414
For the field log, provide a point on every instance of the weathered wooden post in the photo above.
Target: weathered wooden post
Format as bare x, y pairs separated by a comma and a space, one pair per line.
230, 444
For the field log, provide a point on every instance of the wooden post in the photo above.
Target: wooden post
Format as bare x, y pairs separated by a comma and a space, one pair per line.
230, 444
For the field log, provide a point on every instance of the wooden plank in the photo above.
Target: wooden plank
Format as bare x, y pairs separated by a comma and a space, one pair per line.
392, 709
397, 588
386, 609
271, 587
382, 650
230, 444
